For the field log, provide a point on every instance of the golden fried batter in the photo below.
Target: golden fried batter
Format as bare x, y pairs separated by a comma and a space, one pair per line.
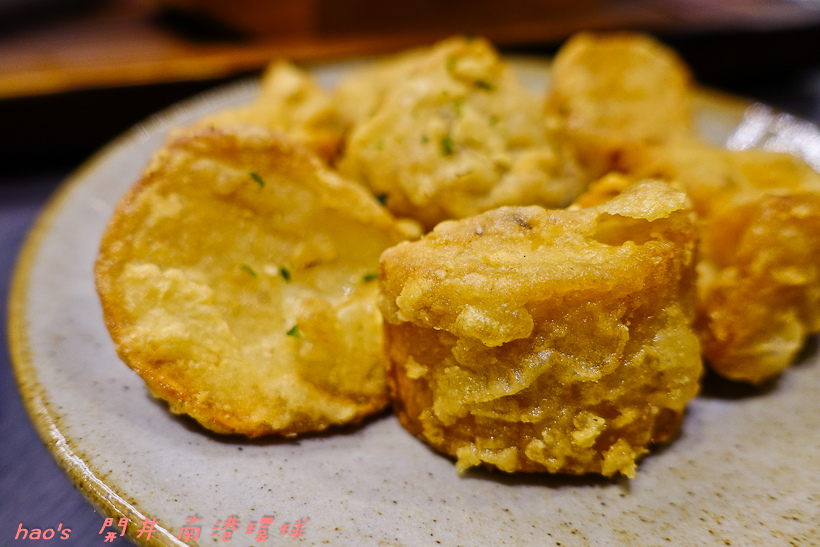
759, 275
616, 92
457, 134
289, 102
539, 340
237, 278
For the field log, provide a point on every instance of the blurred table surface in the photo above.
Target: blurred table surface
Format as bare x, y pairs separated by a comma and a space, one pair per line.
46, 135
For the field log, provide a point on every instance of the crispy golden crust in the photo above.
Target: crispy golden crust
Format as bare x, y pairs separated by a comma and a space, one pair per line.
538, 340
236, 279
455, 134
612, 93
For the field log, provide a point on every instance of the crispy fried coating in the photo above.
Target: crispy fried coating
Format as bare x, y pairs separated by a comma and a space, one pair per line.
759, 275
610, 93
537, 340
289, 102
456, 134
237, 278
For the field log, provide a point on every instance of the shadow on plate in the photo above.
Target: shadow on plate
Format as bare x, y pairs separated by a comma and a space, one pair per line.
269, 440
543, 479
714, 386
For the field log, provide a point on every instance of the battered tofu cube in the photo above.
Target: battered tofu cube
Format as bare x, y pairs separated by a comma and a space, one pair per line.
759, 298
611, 93
536, 340
456, 135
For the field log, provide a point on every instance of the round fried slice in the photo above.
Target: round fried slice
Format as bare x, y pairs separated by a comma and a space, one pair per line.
237, 278
534, 340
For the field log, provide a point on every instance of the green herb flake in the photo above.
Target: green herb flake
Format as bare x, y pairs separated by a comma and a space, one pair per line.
382, 198
249, 270
459, 107
258, 179
294, 332
285, 273
370, 276
451, 64
425, 139
494, 120
484, 85
447, 146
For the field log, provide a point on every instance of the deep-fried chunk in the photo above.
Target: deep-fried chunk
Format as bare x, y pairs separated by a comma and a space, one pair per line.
236, 278
457, 135
538, 340
611, 93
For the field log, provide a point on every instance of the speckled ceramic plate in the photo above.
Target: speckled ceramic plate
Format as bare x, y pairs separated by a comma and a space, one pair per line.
744, 471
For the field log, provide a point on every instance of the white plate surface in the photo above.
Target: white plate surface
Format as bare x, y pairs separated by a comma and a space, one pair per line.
744, 471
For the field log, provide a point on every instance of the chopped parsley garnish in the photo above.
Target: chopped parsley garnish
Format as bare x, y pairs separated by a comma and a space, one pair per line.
382, 198
493, 120
294, 331
258, 178
285, 273
459, 106
249, 270
425, 139
485, 85
447, 146
451, 64
370, 276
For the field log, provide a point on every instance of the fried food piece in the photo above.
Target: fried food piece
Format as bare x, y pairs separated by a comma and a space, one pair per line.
237, 278
616, 92
759, 276
457, 135
289, 102
538, 340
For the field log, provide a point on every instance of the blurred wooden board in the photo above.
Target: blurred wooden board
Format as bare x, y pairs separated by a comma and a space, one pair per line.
122, 42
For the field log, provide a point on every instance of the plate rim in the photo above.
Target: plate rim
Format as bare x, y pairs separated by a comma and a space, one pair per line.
38, 406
